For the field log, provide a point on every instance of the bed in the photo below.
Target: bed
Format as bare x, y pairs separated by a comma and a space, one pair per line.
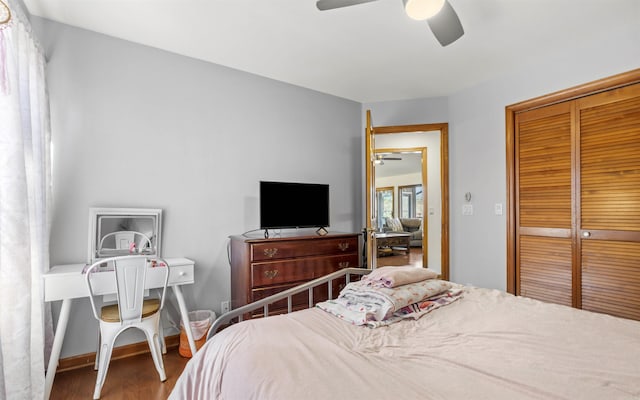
486, 345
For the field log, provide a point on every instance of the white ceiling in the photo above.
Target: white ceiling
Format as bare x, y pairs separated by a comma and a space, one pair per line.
369, 52
410, 163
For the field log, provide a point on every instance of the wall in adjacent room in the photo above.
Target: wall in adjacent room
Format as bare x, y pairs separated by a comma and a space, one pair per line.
134, 126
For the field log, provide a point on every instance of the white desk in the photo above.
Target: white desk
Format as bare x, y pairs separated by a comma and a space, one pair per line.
67, 282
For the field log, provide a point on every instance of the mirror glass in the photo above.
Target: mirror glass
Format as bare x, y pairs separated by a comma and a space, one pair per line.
408, 199
121, 231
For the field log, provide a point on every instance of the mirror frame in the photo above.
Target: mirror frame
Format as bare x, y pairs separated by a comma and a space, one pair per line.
443, 128
95, 213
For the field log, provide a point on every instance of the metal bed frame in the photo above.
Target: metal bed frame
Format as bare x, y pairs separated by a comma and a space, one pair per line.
238, 313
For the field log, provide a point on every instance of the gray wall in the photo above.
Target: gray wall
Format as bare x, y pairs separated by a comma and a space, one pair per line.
477, 148
138, 127
134, 126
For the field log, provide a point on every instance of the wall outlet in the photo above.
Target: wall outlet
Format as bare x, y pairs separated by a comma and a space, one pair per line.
224, 307
467, 209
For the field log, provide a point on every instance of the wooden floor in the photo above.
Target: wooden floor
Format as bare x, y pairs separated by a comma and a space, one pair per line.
414, 258
128, 378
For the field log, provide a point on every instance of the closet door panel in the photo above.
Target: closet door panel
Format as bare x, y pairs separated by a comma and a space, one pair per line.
545, 269
610, 165
611, 278
609, 213
544, 140
544, 168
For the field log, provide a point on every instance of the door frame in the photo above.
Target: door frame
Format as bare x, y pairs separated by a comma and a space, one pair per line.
601, 85
443, 128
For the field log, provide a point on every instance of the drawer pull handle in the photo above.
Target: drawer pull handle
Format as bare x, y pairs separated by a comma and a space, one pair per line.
271, 274
270, 252
343, 246
182, 273
343, 264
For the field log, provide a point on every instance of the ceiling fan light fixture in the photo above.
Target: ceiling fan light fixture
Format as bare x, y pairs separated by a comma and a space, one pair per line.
422, 9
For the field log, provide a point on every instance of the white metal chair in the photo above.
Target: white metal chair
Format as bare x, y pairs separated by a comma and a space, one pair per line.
131, 278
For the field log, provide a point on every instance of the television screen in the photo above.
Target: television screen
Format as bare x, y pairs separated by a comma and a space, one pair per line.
293, 205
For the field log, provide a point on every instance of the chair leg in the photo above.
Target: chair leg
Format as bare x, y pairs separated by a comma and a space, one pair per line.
163, 342
156, 352
96, 363
106, 347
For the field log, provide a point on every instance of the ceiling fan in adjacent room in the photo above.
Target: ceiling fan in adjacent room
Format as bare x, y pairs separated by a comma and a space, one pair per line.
381, 158
439, 14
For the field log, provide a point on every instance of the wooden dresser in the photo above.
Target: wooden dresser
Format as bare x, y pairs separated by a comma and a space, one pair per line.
262, 267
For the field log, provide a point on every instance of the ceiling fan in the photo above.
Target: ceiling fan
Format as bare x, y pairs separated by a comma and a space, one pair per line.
440, 16
381, 158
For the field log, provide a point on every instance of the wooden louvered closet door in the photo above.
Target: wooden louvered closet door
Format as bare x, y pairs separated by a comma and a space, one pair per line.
577, 197
609, 214
544, 146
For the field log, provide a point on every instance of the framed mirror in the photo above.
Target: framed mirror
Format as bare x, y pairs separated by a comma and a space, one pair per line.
395, 142
123, 231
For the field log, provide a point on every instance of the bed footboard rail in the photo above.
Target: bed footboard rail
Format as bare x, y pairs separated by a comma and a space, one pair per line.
238, 313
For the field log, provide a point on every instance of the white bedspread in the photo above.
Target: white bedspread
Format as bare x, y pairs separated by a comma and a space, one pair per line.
487, 345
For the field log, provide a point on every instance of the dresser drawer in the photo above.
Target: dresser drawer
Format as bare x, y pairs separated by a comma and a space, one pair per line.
298, 301
302, 248
280, 272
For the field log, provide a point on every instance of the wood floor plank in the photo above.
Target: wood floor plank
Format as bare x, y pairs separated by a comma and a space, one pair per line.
128, 378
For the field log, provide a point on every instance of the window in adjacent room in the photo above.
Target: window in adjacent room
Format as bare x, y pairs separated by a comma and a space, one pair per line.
385, 202
411, 201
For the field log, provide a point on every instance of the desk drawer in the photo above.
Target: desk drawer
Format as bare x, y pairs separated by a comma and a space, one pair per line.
181, 274
279, 272
290, 249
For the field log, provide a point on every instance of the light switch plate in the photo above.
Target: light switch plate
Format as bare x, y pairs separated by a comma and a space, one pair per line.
498, 208
467, 209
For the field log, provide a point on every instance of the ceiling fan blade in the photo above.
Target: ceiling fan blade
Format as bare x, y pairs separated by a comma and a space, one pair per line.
391, 158
331, 4
445, 25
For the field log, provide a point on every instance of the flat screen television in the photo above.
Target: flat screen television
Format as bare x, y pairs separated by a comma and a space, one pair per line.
293, 205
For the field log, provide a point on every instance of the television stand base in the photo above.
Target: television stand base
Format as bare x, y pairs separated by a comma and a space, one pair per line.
322, 231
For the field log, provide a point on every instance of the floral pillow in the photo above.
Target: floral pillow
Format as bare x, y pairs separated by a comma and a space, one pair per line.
394, 224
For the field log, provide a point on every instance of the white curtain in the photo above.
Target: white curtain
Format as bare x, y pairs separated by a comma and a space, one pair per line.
25, 191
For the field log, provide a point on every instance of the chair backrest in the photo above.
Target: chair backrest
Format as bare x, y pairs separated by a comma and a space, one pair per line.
123, 240
131, 275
